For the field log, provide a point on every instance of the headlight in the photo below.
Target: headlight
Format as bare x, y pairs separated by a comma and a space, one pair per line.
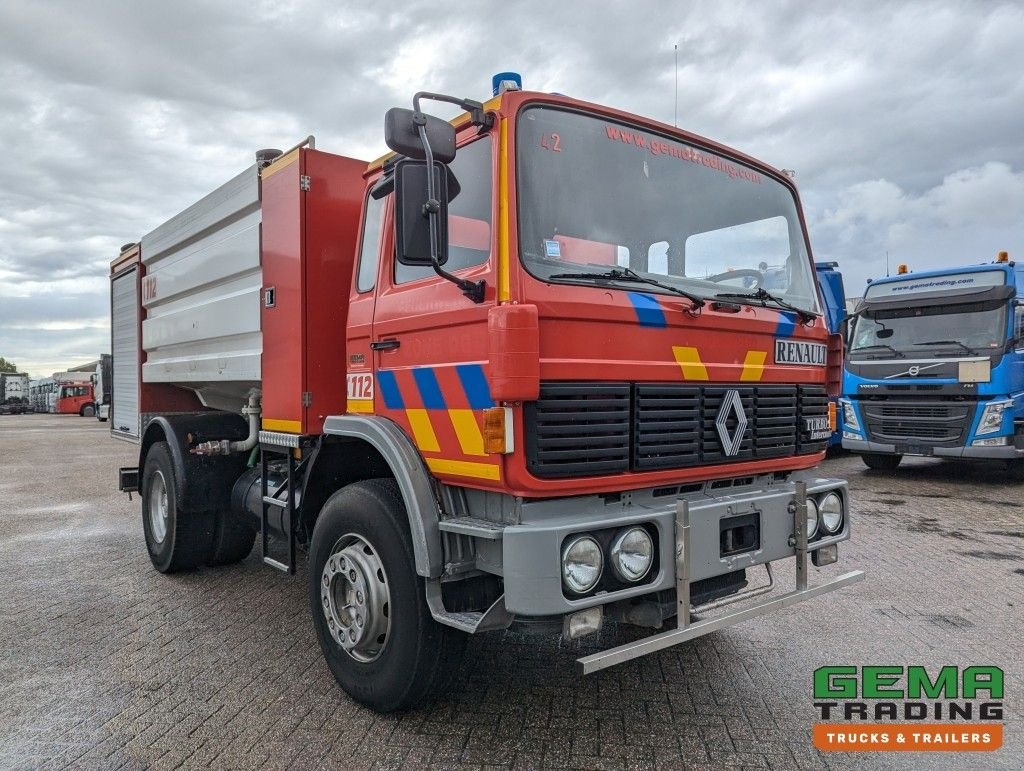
992, 417
831, 510
812, 518
582, 563
849, 415
632, 554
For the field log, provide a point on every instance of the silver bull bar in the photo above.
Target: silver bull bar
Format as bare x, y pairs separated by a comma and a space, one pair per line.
685, 630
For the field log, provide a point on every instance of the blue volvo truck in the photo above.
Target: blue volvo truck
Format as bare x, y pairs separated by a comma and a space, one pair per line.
935, 367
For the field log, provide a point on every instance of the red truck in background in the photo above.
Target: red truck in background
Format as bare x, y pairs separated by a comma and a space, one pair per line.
522, 370
75, 398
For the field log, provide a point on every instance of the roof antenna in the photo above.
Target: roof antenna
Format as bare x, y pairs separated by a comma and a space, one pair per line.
675, 111
887, 263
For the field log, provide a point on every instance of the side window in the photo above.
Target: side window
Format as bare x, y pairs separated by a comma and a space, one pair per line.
370, 247
1018, 326
469, 215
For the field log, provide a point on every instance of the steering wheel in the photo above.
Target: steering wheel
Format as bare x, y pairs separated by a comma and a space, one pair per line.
757, 275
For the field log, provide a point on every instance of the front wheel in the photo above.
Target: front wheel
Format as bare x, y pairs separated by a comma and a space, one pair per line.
880, 462
88, 411
368, 605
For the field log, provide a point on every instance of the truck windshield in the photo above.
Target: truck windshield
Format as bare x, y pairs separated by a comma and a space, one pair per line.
932, 331
595, 194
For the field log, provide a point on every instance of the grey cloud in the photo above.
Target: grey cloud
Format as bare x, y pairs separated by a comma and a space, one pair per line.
902, 120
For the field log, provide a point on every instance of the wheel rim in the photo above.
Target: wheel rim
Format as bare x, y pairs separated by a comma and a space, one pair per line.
355, 598
158, 507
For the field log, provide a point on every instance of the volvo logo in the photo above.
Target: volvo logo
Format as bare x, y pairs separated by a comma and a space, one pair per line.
732, 405
913, 370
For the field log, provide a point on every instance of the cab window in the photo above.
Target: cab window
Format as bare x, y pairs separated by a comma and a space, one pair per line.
369, 249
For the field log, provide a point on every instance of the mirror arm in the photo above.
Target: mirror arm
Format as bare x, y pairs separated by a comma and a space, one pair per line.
477, 116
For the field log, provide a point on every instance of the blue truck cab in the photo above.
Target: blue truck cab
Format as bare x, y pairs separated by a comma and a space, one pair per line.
935, 367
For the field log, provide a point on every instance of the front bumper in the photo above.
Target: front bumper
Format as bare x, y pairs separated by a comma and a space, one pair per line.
1003, 452
685, 630
531, 551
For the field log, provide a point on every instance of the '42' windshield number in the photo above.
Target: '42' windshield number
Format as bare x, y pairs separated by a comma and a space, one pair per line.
552, 142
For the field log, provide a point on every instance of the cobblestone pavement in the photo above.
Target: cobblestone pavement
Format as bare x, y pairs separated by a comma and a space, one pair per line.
105, 663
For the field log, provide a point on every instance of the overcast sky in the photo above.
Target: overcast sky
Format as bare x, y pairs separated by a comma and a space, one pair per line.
903, 120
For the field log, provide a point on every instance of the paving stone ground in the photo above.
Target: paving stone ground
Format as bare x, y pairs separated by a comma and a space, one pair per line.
105, 663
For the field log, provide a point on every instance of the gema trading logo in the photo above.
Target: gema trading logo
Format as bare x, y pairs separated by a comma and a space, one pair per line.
907, 708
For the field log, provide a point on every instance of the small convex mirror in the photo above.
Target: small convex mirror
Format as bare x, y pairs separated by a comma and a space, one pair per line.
402, 135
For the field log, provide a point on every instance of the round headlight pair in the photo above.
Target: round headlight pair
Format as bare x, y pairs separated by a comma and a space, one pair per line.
826, 513
632, 554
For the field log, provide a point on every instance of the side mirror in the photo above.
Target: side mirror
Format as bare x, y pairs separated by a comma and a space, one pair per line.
401, 134
412, 219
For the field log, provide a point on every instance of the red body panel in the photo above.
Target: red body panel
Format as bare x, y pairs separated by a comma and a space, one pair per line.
307, 248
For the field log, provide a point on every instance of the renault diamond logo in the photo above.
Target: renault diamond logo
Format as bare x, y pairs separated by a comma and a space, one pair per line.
734, 406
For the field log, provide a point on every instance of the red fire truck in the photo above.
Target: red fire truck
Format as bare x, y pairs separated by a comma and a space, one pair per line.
74, 395
521, 370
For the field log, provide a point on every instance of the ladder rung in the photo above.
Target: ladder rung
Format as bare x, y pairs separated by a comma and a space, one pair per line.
278, 565
271, 501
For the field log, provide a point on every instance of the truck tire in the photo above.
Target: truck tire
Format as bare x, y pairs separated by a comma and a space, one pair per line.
364, 590
233, 540
88, 411
176, 540
880, 462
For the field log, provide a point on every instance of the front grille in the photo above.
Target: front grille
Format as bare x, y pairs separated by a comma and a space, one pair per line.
579, 429
935, 423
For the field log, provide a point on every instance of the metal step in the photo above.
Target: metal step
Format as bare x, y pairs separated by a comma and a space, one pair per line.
272, 501
276, 564
478, 528
495, 617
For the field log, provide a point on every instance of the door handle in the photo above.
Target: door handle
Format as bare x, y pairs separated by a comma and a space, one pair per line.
385, 345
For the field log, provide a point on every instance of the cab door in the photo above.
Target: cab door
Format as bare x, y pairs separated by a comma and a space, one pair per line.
430, 341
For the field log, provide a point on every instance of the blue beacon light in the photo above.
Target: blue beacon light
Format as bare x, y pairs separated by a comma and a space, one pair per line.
506, 81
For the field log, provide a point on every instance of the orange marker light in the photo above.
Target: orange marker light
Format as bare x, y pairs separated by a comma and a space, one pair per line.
1003, 257
832, 416
902, 268
498, 430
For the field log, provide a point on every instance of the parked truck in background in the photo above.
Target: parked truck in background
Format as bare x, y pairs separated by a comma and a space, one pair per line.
72, 394
935, 367
101, 384
14, 392
523, 369
39, 393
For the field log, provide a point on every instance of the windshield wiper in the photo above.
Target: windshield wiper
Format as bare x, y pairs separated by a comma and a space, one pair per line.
877, 345
628, 274
764, 297
948, 342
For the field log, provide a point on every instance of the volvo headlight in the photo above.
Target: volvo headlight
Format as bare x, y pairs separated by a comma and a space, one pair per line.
582, 563
831, 510
632, 554
992, 417
849, 415
812, 518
